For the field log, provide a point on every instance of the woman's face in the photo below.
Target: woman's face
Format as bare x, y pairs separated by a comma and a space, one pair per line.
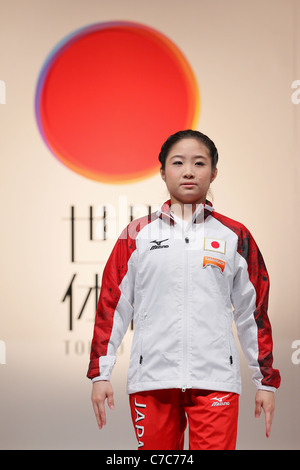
188, 172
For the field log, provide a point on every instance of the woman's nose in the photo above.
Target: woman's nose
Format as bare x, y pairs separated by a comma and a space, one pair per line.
188, 172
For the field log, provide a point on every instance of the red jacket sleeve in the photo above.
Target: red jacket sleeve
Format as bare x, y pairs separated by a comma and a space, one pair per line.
115, 307
257, 343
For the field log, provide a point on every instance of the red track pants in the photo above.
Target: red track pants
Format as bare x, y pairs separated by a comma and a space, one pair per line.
160, 418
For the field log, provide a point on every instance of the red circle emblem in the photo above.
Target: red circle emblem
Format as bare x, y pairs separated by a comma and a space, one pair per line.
109, 95
215, 245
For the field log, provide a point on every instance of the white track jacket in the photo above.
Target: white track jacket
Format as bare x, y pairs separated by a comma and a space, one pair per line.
183, 285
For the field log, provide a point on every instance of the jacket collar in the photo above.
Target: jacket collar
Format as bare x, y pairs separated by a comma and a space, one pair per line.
165, 212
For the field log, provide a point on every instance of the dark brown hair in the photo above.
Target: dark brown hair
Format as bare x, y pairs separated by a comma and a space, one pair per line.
188, 134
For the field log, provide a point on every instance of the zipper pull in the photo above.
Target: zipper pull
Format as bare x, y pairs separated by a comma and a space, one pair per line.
141, 359
187, 240
231, 360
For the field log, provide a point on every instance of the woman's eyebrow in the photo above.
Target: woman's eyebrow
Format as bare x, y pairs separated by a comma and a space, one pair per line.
183, 156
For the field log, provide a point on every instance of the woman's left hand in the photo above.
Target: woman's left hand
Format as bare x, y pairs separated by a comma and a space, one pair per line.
265, 400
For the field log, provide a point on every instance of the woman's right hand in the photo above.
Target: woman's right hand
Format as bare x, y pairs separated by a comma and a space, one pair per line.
101, 391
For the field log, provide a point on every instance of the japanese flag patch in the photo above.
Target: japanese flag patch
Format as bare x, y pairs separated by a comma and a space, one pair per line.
215, 244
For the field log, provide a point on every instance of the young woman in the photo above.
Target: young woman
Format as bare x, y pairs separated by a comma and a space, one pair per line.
184, 274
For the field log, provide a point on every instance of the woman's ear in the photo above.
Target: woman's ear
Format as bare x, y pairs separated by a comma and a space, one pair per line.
162, 174
214, 175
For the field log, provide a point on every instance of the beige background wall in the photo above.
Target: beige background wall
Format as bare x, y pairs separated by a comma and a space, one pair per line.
245, 56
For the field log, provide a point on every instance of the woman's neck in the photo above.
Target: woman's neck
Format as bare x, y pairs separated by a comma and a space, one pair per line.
184, 211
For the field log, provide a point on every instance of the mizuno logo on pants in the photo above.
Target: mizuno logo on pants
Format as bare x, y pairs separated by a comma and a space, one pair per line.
218, 401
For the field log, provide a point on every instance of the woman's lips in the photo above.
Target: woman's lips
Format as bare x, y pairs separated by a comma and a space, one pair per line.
188, 184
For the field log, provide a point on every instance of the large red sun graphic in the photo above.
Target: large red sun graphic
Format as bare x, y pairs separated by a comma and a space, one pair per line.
109, 95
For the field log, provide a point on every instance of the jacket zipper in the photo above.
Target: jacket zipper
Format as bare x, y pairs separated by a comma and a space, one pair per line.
141, 358
185, 313
229, 344
230, 352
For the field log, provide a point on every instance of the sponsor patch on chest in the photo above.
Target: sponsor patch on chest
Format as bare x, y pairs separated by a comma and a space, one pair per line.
214, 261
215, 244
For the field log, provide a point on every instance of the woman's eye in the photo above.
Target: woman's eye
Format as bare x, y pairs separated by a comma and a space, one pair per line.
177, 163
199, 163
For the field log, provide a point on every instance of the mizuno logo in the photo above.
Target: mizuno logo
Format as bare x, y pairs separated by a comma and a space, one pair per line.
219, 401
158, 244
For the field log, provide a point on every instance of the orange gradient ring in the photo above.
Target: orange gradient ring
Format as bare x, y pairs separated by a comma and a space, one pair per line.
109, 95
